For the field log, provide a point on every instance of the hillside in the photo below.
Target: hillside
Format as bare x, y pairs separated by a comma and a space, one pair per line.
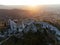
37, 33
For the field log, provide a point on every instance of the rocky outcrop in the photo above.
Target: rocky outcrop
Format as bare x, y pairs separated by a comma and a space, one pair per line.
46, 33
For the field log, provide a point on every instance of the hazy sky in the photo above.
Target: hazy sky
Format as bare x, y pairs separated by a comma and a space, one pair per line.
28, 2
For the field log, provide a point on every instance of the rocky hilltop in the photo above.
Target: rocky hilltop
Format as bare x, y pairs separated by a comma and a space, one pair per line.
32, 33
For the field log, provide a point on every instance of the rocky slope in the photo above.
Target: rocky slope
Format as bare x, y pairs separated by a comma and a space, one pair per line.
36, 33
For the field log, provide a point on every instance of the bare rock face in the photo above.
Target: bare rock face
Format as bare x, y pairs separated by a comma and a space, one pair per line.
36, 33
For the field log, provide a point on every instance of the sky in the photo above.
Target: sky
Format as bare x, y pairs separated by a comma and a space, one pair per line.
29, 2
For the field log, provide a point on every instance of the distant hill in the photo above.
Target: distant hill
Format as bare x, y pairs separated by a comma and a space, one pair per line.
5, 7
13, 7
25, 6
21, 12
